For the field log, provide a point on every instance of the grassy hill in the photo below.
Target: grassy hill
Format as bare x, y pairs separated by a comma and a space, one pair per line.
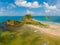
18, 33
27, 36
13, 25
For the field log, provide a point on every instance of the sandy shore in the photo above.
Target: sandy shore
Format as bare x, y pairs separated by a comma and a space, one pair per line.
54, 29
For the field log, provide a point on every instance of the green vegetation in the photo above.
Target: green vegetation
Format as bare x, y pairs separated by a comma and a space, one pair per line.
27, 16
28, 19
19, 34
27, 36
13, 25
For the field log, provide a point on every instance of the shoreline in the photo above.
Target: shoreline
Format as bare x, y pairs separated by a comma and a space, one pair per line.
54, 29
47, 22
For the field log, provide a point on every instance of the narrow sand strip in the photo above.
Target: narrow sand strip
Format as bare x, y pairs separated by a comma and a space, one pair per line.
54, 30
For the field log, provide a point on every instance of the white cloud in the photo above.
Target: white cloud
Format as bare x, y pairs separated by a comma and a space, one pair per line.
2, 10
6, 12
24, 3
49, 8
33, 13
11, 6
29, 12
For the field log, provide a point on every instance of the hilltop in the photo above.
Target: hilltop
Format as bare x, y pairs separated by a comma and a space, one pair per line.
13, 25
29, 32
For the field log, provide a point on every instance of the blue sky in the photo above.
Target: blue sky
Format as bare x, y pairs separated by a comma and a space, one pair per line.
33, 7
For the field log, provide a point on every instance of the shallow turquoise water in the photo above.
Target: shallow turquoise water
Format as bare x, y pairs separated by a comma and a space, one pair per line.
39, 18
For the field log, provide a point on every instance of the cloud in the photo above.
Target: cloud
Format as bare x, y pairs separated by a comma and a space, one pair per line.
2, 11
10, 6
24, 3
49, 8
6, 12
29, 12
33, 13
7, 9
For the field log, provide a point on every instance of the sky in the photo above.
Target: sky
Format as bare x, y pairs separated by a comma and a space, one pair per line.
33, 7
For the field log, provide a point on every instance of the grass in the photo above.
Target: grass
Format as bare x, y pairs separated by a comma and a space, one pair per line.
27, 36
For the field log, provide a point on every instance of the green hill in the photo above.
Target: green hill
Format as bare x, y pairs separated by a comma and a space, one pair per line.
13, 25
26, 36
18, 33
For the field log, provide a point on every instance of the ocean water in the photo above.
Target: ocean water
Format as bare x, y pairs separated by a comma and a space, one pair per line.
39, 18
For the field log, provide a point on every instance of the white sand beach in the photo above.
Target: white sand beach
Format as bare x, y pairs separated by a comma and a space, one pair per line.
54, 29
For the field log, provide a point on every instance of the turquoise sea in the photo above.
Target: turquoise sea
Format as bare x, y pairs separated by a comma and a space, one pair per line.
39, 18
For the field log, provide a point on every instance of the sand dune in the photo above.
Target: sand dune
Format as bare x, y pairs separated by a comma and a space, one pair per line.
54, 30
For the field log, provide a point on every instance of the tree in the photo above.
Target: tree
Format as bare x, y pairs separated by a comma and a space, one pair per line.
28, 16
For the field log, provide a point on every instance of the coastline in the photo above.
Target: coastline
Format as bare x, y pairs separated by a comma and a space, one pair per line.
47, 22
54, 29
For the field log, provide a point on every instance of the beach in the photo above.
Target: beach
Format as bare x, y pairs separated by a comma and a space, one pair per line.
53, 30
30, 32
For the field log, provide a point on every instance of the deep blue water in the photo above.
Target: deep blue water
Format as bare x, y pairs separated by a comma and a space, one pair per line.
40, 18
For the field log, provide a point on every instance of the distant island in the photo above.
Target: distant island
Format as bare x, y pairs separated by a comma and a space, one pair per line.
28, 31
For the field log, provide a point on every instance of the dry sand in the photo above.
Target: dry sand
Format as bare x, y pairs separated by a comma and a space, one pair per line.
54, 29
